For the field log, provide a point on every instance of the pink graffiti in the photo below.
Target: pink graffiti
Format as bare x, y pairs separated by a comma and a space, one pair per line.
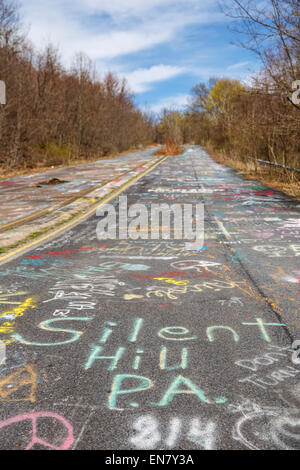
33, 417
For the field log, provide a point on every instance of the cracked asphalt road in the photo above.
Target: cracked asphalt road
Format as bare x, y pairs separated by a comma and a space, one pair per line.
143, 344
23, 196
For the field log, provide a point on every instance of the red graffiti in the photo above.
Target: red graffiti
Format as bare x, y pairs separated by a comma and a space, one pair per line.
66, 253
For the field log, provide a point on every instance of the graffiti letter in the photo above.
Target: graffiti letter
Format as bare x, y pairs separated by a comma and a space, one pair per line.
163, 360
210, 335
174, 390
116, 390
45, 326
94, 355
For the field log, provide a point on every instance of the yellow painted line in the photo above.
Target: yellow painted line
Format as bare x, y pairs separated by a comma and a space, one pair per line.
71, 199
47, 210
28, 217
222, 228
75, 221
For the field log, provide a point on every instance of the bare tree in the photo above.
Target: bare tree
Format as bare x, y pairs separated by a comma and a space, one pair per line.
272, 30
52, 114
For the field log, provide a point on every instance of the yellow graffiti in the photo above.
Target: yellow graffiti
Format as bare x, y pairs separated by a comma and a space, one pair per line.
22, 378
5, 298
169, 293
8, 326
132, 296
173, 281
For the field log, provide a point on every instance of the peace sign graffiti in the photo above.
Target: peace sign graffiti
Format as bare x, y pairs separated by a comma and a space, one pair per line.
33, 417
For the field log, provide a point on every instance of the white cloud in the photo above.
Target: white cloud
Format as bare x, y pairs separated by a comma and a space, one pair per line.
239, 71
140, 80
176, 102
124, 9
239, 65
128, 26
128, 7
117, 43
119, 35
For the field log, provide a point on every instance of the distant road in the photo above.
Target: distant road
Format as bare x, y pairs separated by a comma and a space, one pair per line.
34, 204
143, 344
23, 196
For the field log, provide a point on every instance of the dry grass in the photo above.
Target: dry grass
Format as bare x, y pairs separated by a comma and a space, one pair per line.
287, 182
170, 148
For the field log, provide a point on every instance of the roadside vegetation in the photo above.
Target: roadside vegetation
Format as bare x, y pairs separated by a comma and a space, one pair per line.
169, 133
55, 116
241, 123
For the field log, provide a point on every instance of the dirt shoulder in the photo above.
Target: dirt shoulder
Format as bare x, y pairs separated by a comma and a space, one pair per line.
277, 179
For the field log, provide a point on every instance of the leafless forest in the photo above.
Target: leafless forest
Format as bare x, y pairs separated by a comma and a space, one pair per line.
242, 123
54, 115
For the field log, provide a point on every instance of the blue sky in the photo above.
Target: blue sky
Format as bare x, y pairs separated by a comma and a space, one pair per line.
162, 47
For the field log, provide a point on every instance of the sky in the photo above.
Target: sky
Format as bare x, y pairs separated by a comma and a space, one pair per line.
162, 47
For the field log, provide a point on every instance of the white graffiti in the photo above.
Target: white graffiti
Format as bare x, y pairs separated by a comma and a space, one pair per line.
150, 433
